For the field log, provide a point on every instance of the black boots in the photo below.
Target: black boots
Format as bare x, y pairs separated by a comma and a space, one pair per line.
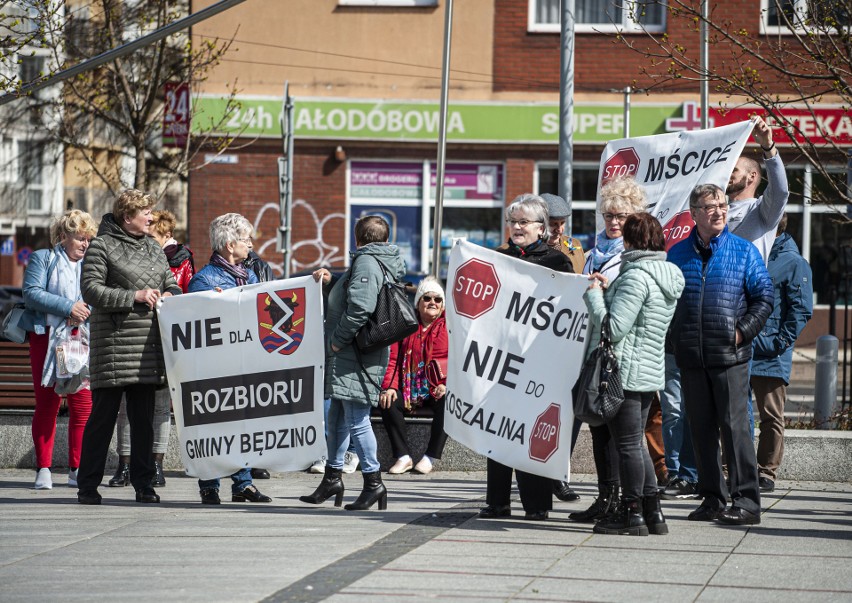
629, 521
122, 473
653, 514
159, 479
374, 490
564, 492
605, 503
331, 485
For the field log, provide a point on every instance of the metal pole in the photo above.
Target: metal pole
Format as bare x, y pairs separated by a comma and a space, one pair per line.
115, 53
285, 180
627, 92
442, 141
825, 381
705, 62
566, 110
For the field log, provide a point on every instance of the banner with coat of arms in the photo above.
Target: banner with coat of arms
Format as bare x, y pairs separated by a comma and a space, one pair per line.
245, 372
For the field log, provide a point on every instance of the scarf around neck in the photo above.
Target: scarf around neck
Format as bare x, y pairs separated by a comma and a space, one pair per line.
605, 249
239, 273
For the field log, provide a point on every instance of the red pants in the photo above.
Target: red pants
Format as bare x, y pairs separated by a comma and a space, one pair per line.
47, 409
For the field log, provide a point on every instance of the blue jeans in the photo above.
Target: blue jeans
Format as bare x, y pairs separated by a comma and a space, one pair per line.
677, 438
326, 404
345, 419
242, 480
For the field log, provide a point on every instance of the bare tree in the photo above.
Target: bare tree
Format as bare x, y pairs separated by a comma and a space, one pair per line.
797, 56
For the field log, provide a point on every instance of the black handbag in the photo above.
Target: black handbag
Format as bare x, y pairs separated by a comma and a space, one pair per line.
598, 393
393, 320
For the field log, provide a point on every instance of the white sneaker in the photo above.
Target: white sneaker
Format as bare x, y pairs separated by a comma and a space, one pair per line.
318, 466
72, 478
402, 465
350, 462
424, 465
43, 479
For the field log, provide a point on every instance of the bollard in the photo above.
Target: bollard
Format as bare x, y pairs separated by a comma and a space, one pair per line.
825, 386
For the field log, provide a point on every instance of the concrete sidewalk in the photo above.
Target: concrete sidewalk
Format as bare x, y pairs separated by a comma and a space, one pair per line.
427, 545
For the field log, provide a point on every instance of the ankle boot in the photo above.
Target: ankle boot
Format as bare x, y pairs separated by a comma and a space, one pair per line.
159, 479
331, 485
628, 522
374, 490
605, 503
122, 473
653, 514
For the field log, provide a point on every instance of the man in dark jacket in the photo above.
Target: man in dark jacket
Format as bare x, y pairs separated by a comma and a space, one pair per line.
727, 299
773, 349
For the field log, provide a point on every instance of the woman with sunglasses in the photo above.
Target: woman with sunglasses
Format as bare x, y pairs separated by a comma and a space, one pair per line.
416, 376
527, 219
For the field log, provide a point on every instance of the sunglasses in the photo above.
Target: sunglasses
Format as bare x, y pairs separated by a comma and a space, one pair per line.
428, 298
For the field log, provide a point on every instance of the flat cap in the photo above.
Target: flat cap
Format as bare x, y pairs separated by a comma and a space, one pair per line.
557, 207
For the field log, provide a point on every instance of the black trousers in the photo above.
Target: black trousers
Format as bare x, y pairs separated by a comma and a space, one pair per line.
393, 419
716, 401
627, 427
98, 434
603, 449
536, 491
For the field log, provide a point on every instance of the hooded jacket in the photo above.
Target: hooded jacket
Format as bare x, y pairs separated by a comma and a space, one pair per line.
793, 307
350, 303
125, 337
730, 290
641, 302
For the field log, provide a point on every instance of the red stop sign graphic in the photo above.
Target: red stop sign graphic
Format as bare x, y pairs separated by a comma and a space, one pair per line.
475, 288
544, 440
678, 228
625, 162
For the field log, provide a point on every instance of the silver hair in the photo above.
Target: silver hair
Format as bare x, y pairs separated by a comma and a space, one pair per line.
701, 191
623, 195
228, 228
533, 207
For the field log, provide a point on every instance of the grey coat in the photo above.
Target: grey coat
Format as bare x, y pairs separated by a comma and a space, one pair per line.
350, 303
125, 337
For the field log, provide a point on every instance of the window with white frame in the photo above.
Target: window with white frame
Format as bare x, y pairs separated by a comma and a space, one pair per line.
388, 2
780, 16
600, 15
31, 173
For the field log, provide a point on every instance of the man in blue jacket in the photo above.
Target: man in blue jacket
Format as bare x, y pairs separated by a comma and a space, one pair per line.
727, 299
773, 349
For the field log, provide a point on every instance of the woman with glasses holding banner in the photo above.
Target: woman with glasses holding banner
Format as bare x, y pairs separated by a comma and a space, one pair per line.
527, 220
416, 376
620, 198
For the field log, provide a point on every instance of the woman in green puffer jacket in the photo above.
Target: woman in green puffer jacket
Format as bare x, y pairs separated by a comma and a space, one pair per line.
641, 302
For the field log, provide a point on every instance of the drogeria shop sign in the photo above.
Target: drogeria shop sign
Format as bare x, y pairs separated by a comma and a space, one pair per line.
484, 122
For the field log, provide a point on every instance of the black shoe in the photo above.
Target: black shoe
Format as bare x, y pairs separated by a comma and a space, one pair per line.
735, 516
373, 491
564, 492
210, 496
159, 479
147, 495
88, 498
766, 484
495, 511
250, 494
653, 514
605, 503
536, 515
681, 489
121, 477
331, 485
629, 522
259, 473
704, 513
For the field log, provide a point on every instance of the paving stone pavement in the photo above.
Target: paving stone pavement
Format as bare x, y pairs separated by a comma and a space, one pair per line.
427, 545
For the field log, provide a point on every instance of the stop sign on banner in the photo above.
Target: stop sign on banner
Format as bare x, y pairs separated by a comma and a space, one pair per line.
545, 434
475, 288
678, 228
625, 162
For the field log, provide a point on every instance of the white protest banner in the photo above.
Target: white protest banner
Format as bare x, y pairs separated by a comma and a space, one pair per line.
669, 166
517, 338
245, 372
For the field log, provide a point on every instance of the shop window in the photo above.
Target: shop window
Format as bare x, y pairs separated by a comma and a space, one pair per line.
584, 190
600, 16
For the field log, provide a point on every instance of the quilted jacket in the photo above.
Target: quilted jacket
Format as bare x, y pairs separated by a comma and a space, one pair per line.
125, 338
793, 307
731, 290
350, 303
641, 303
212, 276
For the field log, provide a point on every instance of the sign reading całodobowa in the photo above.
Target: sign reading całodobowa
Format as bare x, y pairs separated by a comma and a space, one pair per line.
517, 337
245, 372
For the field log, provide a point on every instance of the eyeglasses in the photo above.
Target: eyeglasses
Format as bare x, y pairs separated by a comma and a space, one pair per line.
615, 217
428, 298
246, 240
523, 223
713, 208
